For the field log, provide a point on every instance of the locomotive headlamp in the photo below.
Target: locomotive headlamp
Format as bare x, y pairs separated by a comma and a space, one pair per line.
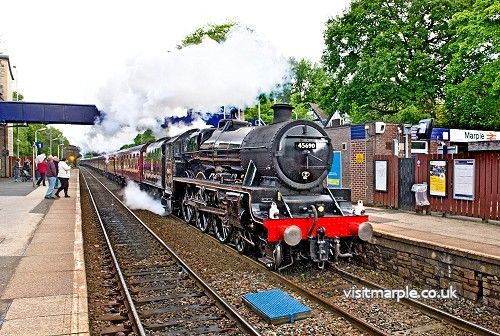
321, 210
365, 231
293, 235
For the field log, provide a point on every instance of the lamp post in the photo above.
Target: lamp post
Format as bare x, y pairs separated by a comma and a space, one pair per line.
61, 145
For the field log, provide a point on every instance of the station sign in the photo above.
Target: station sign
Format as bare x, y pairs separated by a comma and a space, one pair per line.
459, 135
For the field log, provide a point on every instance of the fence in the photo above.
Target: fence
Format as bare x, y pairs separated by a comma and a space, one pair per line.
486, 203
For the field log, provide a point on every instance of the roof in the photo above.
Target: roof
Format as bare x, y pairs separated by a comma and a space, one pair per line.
6, 57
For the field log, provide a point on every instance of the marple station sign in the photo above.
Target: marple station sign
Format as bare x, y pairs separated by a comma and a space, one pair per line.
459, 135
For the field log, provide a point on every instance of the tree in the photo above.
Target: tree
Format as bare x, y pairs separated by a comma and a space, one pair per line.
215, 32
473, 77
387, 59
141, 138
27, 137
17, 96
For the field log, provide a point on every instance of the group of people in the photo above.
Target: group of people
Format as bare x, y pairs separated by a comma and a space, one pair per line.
56, 171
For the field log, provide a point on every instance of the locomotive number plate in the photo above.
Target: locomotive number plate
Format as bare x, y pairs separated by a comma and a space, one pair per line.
305, 145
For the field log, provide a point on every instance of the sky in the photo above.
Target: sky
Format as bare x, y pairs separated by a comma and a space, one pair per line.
66, 51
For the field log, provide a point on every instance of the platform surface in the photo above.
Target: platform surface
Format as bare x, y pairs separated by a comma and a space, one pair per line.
42, 273
464, 234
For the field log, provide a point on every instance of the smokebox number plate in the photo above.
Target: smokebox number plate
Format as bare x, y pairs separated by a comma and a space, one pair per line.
305, 145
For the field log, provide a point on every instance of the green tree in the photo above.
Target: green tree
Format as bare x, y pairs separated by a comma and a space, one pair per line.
473, 89
217, 32
387, 59
27, 137
15, 96
141, 138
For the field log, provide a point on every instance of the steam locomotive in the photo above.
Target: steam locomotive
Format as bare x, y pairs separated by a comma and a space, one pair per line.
257, 188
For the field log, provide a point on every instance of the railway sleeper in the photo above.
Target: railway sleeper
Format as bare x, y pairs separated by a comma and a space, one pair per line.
170, 309
176, 322
149, 299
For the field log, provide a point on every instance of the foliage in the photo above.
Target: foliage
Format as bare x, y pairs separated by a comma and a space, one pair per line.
141, 138
216, 32
27, 137
387, 59
15, 96
473, 89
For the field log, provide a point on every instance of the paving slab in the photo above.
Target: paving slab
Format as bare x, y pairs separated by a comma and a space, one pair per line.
40, 306
47, 263
31, 284
55, 247
7, 267
40, 326
43, 237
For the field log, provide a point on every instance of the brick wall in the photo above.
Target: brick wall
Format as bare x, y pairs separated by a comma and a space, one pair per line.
474, 277
358, 170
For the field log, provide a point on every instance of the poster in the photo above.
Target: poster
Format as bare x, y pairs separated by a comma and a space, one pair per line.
334, 178
463, 179
437, 178
381, 175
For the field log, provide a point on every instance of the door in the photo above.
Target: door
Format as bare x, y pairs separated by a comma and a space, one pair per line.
406, 198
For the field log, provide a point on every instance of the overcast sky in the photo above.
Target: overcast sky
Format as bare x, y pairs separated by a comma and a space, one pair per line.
65, 50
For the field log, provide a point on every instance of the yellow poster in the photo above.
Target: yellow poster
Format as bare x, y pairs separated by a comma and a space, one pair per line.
360, 158
437, 178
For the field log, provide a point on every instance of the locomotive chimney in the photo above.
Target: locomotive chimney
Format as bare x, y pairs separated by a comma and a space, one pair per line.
282, 112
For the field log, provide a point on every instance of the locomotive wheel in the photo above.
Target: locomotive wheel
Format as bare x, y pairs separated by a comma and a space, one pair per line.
188, 212
240, 244
202, 221
222, 231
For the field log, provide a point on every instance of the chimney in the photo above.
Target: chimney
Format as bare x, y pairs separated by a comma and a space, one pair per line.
282, 112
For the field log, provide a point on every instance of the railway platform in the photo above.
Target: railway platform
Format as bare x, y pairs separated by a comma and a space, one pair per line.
437, 252
468, 235
42, 272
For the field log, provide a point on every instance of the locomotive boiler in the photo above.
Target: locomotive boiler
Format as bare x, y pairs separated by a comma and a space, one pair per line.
261, 189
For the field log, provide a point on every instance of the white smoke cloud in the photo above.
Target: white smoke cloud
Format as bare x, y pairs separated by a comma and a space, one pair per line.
202, 77
135, 198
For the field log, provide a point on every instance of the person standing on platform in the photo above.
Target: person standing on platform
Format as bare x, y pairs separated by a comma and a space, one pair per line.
51, 177
63, 176
17, 169
56, 163
42, 169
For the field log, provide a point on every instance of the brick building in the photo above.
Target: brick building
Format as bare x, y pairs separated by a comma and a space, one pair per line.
358, 144
6, 133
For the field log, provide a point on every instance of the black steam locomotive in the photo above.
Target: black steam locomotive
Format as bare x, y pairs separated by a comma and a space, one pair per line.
254, 187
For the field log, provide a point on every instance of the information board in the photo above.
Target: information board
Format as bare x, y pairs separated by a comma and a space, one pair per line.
381, 176
463, 179
437, 178
334, 178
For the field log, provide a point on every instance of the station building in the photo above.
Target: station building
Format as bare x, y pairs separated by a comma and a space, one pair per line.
6, 132
381, 162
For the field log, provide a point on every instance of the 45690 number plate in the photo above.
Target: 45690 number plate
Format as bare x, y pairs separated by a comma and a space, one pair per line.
305, 145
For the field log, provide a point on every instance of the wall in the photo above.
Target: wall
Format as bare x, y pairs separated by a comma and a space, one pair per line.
358, 159
473, 276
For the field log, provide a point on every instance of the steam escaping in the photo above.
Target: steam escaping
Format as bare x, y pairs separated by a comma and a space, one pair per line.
135, 198
202, 77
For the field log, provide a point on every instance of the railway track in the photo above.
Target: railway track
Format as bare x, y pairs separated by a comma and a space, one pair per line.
162, 294
360, 323
355, 320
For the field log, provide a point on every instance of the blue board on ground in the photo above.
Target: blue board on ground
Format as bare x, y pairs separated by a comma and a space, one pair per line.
276, 306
